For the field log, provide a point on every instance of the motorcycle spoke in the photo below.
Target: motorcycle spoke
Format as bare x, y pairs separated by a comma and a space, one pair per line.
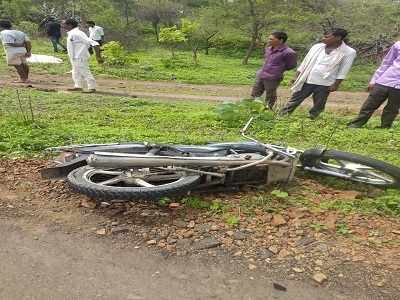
142, 183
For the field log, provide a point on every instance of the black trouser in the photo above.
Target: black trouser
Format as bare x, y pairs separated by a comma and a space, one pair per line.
269, 87
377, 96
319, 94
91, 48
55, 40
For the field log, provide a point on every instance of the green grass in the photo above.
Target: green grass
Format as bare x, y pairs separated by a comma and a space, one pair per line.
68, 118
216, 68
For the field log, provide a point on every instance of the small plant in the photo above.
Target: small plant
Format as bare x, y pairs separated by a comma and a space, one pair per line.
115, 55
318, 227
342, 229
217, 207
279, 194
195, 202
164, 201
232, 220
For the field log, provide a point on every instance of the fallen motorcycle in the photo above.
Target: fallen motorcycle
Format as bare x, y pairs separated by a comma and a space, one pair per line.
136, 171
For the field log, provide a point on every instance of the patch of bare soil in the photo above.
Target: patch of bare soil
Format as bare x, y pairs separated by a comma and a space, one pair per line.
286, 244
345, 102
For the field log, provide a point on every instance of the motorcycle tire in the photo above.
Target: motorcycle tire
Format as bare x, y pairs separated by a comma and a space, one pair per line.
81, 181
352, 167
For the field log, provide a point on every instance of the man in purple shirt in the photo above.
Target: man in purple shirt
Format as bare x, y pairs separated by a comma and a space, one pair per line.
384, 85
278, 59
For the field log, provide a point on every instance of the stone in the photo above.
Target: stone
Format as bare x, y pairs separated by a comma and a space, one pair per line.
305, 241
206, 243
319, 262
151, 242
238, 253
298, 270
278, 220
120, 229
274, 249
252, 267
88, 203
214, 228
330, 221
171, 241
180, 223
396, 231
265, 254
279, 287
191, 224
239, 235
230, 233
183, 244
101, 231
283, 253
174, 205
188, 234
114, 223
320, 277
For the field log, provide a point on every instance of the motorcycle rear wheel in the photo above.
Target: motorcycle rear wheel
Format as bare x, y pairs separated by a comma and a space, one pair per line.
131, 185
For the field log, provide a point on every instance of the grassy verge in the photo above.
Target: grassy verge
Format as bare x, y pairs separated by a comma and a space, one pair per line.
155, 64
54, 119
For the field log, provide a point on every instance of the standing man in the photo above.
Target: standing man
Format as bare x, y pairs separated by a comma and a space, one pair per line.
17, 47
278, 59
78, 44
384, 85
53, 30
322, 71
96, 33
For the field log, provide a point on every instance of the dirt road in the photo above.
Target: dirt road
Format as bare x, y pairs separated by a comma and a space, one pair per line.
40, 262
170, 90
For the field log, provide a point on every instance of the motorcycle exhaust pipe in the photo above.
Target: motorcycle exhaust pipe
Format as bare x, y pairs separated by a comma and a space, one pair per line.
123, 161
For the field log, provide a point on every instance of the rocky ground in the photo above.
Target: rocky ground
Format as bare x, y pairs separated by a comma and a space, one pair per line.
287, 242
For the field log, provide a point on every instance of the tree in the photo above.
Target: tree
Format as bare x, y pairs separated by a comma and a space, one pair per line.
171, 38
159, 12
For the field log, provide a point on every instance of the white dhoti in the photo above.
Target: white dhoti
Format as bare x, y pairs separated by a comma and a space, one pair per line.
81, 73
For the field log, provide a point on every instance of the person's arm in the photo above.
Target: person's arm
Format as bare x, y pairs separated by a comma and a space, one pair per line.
386, 63
344, 69
290, 61
28, 47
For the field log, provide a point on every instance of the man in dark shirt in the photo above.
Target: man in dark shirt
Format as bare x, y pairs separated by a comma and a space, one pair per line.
53, 30
278, 59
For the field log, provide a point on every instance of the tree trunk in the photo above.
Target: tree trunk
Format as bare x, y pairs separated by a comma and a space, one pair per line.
249, 51
195, 58
156, 31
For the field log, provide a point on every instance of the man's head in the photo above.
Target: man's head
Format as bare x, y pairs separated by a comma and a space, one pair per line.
90, 23
334, 36
5, 24
277, 38
70, 24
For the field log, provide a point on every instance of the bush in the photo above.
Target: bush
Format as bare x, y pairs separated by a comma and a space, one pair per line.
115, 55
31, 29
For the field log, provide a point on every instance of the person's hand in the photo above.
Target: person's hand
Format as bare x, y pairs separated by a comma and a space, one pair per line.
28, 54
333, 88
370, 87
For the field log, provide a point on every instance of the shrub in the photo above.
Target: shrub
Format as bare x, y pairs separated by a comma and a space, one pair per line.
115, 55
31, 29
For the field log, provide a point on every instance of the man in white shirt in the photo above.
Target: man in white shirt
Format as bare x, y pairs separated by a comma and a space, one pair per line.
322, 71
78, 44
17, 47
96, 33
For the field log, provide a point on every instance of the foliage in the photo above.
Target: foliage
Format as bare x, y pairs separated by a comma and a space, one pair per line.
30, 28
171, 38
232, 220
279, 194
114, 54
195, 202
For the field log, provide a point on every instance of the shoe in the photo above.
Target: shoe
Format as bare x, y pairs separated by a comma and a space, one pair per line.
75, 89
311, 117
382, 127
90, 91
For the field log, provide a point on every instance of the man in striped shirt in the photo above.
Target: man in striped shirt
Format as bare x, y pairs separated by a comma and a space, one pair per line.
322, 71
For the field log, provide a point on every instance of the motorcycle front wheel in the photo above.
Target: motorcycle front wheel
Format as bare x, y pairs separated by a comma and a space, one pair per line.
354, 167
132, 184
